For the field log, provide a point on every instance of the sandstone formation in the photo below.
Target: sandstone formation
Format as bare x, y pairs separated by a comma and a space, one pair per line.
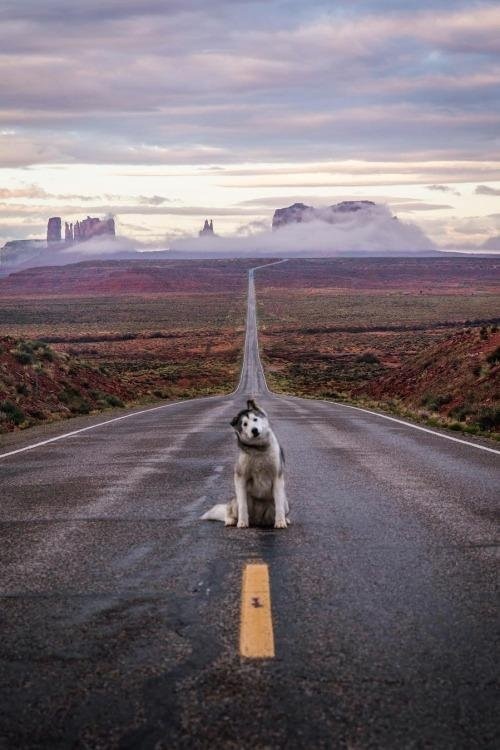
80, 230
91, 227
208, 229
54, 229
299, 212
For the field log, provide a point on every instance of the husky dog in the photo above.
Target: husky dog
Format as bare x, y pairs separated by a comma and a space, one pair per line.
258, 475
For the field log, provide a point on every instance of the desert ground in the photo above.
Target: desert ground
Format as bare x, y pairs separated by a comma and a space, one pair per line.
86, 337
417, 337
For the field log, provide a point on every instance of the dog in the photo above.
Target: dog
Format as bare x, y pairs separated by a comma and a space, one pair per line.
258, 475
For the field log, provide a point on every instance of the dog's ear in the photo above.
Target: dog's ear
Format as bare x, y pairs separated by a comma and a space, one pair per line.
234, 421
252, 406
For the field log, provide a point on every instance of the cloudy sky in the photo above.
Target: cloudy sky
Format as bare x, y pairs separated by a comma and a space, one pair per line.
163, 112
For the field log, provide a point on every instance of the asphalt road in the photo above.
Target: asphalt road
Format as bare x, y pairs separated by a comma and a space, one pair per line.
120, 609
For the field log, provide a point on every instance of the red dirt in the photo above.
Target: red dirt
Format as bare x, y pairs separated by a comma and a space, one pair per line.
384, 274
460, 371
44, 385
129, 277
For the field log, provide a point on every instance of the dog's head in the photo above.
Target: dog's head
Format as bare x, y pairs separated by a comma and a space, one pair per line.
251, 424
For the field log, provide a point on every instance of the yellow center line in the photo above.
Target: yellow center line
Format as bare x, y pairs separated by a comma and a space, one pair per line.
256, 625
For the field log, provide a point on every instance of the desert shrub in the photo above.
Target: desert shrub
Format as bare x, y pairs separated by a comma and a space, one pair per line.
27, 352
36, 344
24, 357
483, 332
64, 397
68, 393
434, 401
494, 357
80, 406
12, 412
25, 346
462, 412
369, 358
47, 354
22, 389
471, 429
488, 418
37, 414
331, 394
113, 400
74, 400
170, 373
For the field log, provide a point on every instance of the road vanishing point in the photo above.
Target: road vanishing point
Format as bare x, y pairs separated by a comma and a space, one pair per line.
126, 622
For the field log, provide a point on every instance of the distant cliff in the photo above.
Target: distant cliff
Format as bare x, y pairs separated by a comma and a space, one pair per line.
299, 212
20, 251
208, 229
80, 230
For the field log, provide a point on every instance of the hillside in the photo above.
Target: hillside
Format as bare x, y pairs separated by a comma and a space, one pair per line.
39, 384
456, 380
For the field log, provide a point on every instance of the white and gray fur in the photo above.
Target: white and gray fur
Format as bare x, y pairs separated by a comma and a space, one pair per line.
258, 475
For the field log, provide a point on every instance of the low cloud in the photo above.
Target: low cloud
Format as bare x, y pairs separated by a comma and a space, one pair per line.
492, 244
443, 189
371, 232
98, 247
28, 191
367, 232
153, 200
40, 254
486, 190
411, 206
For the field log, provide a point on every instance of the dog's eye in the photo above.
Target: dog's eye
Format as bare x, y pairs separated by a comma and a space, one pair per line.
255, 419
245, 424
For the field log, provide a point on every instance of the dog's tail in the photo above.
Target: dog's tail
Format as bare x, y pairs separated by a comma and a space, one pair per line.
217, 513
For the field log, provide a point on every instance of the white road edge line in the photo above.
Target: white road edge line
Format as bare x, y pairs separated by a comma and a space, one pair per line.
406, 424
90, 427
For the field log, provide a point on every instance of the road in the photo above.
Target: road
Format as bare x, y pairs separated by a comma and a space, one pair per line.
121, 610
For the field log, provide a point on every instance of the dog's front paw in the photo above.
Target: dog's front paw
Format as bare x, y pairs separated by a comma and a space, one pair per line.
280, 523
243, 524
230, 522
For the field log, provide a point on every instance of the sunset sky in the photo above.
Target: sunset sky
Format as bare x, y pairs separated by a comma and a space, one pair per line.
164, 112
